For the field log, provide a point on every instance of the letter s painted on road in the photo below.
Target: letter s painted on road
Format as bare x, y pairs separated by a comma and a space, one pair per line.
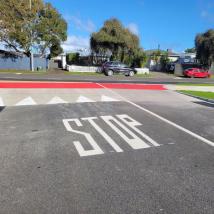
82, 152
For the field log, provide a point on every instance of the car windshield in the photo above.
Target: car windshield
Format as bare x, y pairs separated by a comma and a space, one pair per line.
123, 65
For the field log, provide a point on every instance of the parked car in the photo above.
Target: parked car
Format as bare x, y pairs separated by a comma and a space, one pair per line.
111, 68
197, 72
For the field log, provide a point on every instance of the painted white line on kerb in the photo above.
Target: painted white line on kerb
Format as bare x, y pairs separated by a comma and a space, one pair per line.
204, 101
163, 119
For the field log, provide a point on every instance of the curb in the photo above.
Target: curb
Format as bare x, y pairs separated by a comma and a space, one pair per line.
200, 98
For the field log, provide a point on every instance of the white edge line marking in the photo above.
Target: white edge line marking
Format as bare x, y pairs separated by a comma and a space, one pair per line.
1, 102
164, 119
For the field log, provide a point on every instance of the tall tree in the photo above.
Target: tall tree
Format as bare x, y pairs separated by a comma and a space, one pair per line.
23, 26
115, 39
51, 30
190, 50
205, 47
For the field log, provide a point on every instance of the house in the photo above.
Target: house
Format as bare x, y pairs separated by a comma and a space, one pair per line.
10, 60
155, 65
58, 62
175, 59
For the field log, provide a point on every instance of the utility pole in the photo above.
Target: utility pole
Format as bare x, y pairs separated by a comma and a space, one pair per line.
31, 51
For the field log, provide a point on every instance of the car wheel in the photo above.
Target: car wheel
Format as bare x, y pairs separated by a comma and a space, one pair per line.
131, 73
110, 73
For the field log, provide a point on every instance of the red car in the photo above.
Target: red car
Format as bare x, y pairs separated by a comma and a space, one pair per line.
197, 72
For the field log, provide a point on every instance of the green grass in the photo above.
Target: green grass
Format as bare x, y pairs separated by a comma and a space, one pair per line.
22, 72
101, 74
82, 73
19, 72
195, 84
206, 95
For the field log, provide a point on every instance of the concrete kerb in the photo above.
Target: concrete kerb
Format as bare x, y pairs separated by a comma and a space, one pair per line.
197, 97
190, 88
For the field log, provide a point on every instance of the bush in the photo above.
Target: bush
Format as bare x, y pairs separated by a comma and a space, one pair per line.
139, 59
73, 58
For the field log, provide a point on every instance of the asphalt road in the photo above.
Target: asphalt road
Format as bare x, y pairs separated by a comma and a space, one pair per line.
151, 152
157, 78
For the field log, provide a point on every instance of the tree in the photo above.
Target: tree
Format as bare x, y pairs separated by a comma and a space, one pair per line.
205, 47
190, 50
164, 60
115, 39
73, 58
51, 30
139, 59
40, 27
156, 55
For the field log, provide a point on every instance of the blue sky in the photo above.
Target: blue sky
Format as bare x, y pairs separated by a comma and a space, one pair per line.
172, 24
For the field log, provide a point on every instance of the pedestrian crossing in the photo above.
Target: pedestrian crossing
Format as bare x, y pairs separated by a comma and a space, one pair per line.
51, 99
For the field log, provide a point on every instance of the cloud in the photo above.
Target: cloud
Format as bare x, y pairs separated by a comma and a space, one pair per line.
207, 10
85, 25
133, 28
209, 16
75, 43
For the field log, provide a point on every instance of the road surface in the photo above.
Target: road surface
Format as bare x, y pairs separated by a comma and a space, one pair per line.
105, 150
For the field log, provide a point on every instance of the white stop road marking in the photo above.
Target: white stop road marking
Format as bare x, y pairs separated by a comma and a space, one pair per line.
126, 124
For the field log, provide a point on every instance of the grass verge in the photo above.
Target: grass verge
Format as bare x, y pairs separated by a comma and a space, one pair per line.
18, 72
195, 84
201, 94
101, 74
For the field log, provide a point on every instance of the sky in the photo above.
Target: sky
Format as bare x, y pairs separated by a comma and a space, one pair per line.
170, 24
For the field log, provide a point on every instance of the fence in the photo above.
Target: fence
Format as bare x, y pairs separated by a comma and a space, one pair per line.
22, 63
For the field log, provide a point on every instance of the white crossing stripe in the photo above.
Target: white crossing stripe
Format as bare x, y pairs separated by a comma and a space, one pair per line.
83, 99
26, 102
108, 99
56, 100
1, 102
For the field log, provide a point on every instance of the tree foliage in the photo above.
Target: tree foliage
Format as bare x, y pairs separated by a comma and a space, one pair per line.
115, 40
190, 50
73, 58
156, 55
40, 26
205, 47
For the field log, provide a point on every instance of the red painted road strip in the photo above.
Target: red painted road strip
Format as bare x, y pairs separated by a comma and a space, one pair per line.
78, 85
134, 86
47, 85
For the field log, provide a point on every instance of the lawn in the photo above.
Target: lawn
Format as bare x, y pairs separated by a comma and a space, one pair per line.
206, 95
195, 84
82, 73
18, 72
101, 74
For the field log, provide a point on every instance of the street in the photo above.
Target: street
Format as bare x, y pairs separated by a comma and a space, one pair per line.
155, 78
105, 150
